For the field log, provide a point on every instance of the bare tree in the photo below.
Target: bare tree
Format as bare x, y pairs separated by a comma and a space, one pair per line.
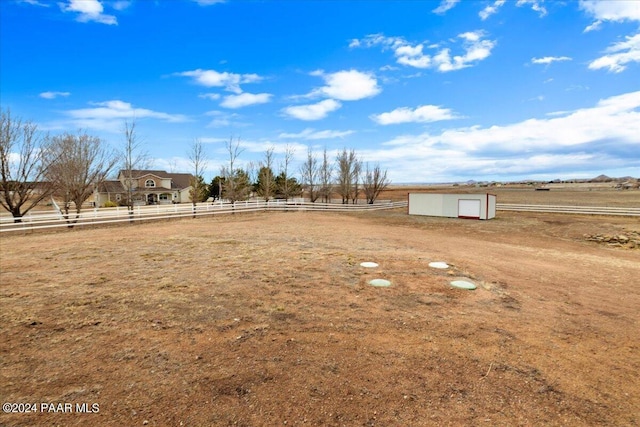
348, 172
236, 181
23, 165
326, 176
79, 163
265, 183
375, 181
309, 171
355, 179
133, 158
286, 188
172, 166
252, 169
198, 159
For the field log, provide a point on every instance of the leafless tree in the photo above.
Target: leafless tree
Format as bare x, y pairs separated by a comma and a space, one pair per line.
355, 179
375, 181
348, 173
266, 180
287, 189
309, 171
236, 181
252, 169
78, 164
198, 159
134, 157
23, 165
326, 176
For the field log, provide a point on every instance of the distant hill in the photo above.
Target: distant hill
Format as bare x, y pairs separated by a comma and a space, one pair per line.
605, 178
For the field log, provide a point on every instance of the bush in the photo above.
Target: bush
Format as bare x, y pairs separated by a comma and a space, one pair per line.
110, 204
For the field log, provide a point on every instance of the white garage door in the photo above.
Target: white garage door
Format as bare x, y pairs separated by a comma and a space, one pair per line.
469, 208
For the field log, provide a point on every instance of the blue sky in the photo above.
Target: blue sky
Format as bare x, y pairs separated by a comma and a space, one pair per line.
433, 91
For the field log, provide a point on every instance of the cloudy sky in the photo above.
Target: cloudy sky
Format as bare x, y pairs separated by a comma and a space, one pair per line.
433, 91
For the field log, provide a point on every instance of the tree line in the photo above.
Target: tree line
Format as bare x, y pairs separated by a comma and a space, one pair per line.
320, 177
35, 166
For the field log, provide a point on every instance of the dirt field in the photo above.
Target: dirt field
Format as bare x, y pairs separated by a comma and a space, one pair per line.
268, 319
566, 195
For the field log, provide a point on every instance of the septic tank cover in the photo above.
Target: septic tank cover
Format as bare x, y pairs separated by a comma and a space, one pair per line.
368, 264
463, 284
380, 282
438, 264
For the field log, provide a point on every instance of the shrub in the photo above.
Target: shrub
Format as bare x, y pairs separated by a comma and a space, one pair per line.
110, 204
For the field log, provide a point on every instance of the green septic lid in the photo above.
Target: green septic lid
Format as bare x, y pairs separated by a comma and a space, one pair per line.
380, 282
463, 284
438, 264
368, 264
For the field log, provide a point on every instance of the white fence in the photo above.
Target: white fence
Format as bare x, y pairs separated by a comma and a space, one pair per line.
584, 210
38, 221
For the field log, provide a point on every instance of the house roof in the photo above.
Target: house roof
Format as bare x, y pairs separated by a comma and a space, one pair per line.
179, 181
111, 187
139, 173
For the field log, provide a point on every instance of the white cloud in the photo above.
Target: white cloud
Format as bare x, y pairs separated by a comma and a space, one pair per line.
316, 111
245, 99
618, 55
34, 3
212, 140
110, 115
212, 78
211, 96
422, 114
121, 4
549, 59
378, 40
572, 88
53, 95
279, 148
413, 57
312, 134
613, 118
593, 27
445, 5
475, 47
350, 85
536, 5
209, 2
88, 10
491, 9
566, 141
475, 50
615, 11
224, 119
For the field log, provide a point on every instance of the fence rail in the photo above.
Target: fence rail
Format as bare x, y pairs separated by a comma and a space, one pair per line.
585, 210
40, 221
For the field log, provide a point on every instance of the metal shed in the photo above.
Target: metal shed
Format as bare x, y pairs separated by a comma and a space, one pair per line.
475, 206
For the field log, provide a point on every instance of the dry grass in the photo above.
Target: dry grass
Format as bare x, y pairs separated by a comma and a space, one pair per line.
258, 319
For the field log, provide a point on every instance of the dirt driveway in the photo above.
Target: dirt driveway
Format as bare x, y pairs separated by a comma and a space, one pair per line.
268, 319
